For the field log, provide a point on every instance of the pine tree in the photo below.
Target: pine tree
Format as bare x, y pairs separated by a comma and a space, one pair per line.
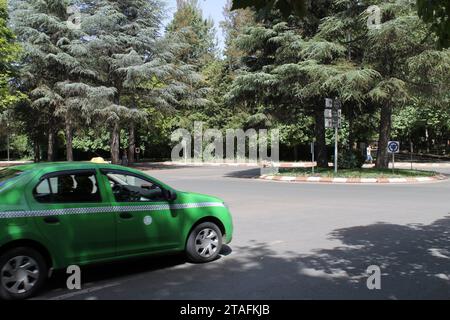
291, 70
38, 26
9, 51
128, 55
293, 65
49, 61
401, 37
233, 25
196, 33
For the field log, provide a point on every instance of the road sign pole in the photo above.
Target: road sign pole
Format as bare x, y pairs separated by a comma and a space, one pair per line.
393, 162
393, 147
336, 149
412, 150
312, 156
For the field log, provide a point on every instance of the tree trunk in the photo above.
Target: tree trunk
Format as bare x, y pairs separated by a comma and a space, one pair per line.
321, 147
51, 145
384, 135
37, 151
427, 139
131, 143
69, 140
295, 153
351, 132
115, 148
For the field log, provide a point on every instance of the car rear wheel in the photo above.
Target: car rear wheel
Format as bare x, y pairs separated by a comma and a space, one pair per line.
23, 271
204, 243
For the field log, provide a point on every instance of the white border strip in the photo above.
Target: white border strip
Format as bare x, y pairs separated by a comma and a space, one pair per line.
92, 210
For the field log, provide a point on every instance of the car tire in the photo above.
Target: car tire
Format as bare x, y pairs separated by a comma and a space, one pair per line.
204, 243
27, 264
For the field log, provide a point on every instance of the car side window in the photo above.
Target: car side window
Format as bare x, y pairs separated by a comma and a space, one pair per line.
130, 188
68, 188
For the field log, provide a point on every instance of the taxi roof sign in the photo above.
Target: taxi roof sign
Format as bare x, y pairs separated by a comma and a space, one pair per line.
98, 160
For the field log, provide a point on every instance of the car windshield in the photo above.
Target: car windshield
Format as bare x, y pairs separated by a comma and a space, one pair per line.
8, 175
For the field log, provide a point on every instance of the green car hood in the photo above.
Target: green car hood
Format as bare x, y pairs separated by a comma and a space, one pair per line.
191, 197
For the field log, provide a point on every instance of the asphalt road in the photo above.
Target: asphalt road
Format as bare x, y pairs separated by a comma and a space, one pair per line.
296, 241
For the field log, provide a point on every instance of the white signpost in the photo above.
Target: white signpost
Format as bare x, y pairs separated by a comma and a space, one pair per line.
333, 114
393, 147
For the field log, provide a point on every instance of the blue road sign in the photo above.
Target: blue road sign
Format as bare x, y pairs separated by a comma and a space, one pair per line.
394, 146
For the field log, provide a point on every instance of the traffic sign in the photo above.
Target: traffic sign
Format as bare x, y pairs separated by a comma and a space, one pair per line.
394, 146
333, 113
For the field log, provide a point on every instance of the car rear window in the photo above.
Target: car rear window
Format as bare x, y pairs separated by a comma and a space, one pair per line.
8, 175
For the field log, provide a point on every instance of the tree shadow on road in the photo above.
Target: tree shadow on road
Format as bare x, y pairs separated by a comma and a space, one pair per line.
414, 260
244, 174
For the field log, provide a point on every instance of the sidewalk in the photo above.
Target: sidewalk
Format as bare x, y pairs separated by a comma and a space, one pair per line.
4, 164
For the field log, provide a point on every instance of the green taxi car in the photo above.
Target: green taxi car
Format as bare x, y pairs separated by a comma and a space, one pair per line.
54, 215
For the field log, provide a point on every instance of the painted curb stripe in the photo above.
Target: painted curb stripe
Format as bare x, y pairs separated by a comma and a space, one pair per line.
397, 180
423, 179
73, 211
368, 180
287, 178
347, 180
340, 180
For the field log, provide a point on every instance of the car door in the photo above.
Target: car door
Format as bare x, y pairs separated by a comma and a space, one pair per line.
145, 221
70, 212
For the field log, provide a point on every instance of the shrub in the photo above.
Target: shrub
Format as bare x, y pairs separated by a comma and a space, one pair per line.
350, 159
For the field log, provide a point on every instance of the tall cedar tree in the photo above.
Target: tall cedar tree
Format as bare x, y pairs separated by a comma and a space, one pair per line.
128, 55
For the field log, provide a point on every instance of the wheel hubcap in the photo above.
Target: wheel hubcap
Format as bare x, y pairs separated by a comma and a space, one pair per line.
20, 274
206, 243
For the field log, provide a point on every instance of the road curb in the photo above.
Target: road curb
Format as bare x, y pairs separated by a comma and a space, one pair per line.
399, 165
330, 180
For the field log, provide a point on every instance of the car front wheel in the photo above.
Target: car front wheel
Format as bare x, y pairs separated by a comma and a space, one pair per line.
204, 243
23, 271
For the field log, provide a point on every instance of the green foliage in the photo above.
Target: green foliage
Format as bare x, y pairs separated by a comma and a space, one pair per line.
437, 13
92, 140
197, 35
118, 79
9, 51
286, 7
350, 159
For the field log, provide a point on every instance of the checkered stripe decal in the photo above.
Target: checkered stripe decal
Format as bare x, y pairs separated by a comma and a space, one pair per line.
72, 211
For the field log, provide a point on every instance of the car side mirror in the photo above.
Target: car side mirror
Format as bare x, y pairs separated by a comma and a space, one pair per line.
170, 195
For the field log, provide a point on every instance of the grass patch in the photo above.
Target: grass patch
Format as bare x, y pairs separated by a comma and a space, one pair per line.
355, 173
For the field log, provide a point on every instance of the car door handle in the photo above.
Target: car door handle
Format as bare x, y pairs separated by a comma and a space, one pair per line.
51, 220
126, 215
